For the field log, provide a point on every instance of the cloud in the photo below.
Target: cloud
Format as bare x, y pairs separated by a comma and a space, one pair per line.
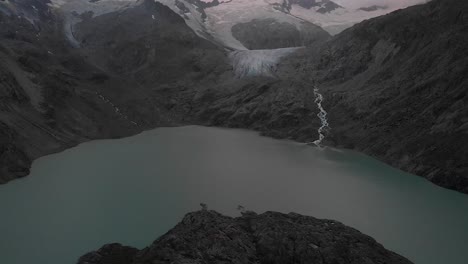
393, 4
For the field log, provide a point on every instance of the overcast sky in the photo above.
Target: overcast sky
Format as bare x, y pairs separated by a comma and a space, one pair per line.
389, 3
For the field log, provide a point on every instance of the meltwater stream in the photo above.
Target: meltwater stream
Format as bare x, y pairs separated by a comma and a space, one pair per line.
132, 190
322, 115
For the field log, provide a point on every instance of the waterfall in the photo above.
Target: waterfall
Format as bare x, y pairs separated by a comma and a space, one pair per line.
323, 117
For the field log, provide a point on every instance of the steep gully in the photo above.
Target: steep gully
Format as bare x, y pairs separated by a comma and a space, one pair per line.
369, 76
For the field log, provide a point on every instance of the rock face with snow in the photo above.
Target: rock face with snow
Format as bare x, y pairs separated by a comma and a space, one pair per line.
157, 47
321, 6
229, 23
209, 237
271, 34
54, 96
394, 88
248, 63
215, 19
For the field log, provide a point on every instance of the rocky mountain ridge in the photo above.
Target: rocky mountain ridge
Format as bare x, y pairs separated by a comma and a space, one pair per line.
209, 237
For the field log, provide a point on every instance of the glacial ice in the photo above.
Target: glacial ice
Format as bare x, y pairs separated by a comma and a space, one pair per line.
247, 63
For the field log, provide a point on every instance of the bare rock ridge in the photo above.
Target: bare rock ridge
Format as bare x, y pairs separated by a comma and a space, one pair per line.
209, 237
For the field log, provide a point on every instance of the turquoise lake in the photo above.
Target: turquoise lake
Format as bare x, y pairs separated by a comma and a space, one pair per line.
134, 189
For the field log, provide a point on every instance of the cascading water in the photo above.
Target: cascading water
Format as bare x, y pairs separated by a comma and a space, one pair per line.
323, 117
248, 63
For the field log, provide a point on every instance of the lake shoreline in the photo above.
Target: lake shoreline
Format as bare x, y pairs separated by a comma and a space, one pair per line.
135, 188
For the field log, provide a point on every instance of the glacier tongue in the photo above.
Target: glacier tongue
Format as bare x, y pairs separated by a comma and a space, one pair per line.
247, 63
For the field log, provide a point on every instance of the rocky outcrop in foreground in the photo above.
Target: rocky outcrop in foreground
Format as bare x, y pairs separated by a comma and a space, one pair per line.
209, 237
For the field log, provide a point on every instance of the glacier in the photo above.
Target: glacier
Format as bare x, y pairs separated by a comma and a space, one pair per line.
248, 63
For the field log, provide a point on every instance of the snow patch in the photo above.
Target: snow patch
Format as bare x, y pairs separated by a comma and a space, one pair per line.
342, 18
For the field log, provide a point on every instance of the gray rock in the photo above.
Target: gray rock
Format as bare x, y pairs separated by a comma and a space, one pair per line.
271, 34
209, 237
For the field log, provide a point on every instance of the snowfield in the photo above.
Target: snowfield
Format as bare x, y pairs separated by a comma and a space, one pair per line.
215, 22
222, 17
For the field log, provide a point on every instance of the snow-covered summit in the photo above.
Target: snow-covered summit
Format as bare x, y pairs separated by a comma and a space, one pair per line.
337, 18
214, 19
217, 17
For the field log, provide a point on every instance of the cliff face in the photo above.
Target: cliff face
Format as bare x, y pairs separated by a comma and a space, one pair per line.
209, 237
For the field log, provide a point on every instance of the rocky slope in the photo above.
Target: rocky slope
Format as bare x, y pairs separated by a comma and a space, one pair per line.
53, 96
394, 87
209, 237
45, 91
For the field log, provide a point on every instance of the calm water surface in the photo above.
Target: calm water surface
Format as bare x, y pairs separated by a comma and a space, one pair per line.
133, 190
